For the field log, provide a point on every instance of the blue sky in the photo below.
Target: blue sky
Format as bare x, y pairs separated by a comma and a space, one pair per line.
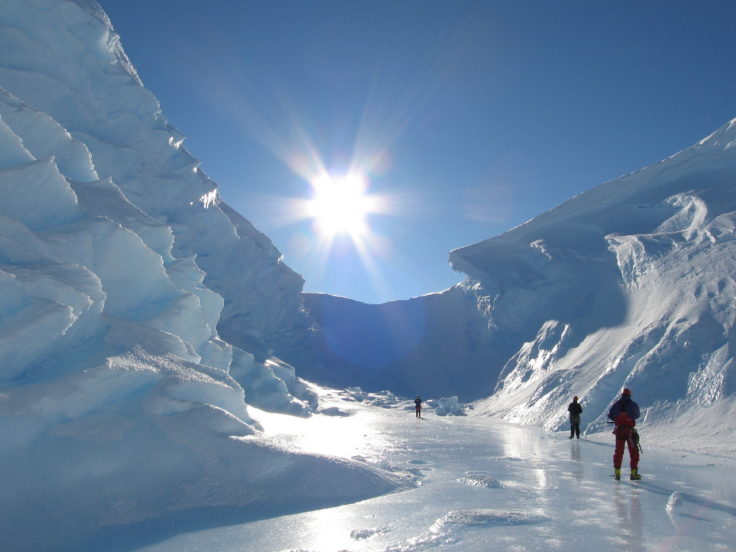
465, 118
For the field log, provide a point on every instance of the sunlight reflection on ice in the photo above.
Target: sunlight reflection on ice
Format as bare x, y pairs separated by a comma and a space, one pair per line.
328, 529
535, 508
519, 442
334, 529
354, 436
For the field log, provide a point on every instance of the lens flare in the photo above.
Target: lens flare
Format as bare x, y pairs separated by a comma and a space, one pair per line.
340, 205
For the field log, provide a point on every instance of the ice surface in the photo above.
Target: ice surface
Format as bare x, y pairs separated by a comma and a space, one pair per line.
540, 491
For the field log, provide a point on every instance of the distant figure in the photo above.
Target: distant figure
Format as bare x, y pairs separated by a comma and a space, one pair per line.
624, 412
575, 410
418, 406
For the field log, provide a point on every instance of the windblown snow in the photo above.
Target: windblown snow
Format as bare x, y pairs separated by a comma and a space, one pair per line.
140, 315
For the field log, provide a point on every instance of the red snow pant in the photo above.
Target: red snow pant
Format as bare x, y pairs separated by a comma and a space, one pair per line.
618, 454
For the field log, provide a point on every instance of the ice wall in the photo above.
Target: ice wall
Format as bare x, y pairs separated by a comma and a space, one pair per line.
628, 285
99, 99
120, 401
436, 345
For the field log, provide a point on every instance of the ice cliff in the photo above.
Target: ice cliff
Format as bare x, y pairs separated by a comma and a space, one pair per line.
630, 284
135, 306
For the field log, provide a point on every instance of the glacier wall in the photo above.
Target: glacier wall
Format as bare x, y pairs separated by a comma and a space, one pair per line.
435, 345
100, 100
627, 285
122, 276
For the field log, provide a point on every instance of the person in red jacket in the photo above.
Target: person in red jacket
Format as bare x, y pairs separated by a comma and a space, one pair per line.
624, 413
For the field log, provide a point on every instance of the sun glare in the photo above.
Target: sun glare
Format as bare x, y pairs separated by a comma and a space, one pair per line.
340, 205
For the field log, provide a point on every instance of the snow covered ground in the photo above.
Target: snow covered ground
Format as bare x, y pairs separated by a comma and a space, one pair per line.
479, 485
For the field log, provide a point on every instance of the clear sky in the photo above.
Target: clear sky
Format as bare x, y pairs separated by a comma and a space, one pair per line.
457, 120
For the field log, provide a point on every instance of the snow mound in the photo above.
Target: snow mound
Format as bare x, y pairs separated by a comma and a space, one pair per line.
674, 502
447, 529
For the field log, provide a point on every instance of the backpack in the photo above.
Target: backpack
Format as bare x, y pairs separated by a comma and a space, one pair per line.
624, 426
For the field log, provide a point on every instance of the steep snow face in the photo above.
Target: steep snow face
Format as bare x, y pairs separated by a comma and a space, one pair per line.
71, 92
64, 59
628, 285
118, 397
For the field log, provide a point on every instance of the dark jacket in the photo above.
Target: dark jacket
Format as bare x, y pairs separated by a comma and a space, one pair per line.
625, 405
574, 409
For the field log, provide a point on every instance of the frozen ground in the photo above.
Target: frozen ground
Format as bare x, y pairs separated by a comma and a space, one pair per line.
480, 485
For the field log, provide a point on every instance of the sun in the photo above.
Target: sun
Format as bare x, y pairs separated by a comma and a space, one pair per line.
340, 204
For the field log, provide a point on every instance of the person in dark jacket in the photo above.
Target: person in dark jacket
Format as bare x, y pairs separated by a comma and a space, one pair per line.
575, 410
624, 413
418, 406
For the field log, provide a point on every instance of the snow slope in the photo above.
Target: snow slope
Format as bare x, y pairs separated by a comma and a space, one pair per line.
627, 285
119, 400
